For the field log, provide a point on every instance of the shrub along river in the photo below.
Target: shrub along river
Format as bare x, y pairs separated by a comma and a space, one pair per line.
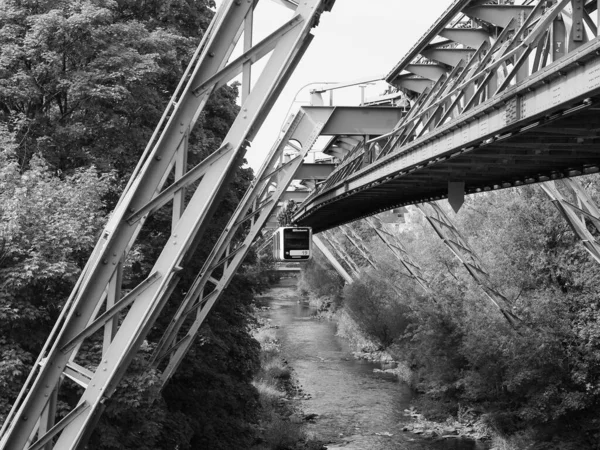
356, 408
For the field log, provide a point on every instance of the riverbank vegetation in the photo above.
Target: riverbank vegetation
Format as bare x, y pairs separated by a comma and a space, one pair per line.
534, 387
280, 419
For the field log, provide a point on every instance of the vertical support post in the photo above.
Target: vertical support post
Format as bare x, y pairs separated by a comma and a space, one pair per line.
577, 35
559, 38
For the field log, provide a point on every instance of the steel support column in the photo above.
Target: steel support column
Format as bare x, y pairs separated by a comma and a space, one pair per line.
576, 214
398, 250
332, 259
446, 230
81, 312
228, 254
339, 249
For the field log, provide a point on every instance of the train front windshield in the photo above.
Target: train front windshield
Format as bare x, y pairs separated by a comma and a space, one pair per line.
296, 243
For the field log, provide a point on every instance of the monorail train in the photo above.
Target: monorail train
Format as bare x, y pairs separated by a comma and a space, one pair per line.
292, 244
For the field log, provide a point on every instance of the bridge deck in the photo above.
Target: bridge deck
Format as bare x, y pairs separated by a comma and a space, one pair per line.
544, 127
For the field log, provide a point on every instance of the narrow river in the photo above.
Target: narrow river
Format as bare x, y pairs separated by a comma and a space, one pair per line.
357, 408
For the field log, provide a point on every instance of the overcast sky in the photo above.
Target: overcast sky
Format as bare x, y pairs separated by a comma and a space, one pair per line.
357, 38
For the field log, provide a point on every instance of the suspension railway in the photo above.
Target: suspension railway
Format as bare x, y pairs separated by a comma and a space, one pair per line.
495, 94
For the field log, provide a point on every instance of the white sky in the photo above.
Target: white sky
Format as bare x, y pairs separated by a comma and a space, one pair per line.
357, 38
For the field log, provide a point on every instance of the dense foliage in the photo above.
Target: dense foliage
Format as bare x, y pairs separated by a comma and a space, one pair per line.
540, 383
82, 85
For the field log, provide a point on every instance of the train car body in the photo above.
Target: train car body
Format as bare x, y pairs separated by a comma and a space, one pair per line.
292, 244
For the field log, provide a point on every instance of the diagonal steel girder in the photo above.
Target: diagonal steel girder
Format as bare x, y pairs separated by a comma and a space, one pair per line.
332, 259
398, 250
452, 238
32, 419
517, 80
228, 254
487, 107
576, 214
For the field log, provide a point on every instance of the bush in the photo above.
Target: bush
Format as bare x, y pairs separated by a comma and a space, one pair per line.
377, 309
319, 281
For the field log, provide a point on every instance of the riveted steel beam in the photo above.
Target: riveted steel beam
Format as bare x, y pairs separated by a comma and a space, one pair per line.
577, 214
297, 196
332, 259
311, 171
414, 84
81, 312
228, 254
446, 230
505, 117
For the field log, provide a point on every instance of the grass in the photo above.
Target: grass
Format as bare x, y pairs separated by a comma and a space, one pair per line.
273, 383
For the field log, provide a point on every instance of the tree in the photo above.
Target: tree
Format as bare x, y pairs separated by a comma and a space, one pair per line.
85, 81
48, 225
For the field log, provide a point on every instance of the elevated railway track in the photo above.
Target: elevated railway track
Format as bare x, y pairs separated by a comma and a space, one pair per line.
509, 97
496, 94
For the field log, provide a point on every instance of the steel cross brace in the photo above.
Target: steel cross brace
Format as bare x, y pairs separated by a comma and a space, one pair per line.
575, 215
32, 419
446, 230
339, 249
228, 254
332, 259
398, 250
358, 243
423, 117
517, 68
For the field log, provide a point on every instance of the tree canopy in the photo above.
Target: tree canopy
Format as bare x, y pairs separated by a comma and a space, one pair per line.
83, 83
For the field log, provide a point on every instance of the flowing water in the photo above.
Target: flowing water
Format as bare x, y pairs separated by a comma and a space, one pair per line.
357, 408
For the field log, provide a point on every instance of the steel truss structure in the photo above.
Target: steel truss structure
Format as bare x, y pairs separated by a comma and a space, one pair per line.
450, 235
333, 260
503, 94
96, 306
395, 245
339, 253
577, 214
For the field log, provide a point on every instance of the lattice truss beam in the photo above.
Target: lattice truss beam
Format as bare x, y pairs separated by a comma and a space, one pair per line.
98, 308
452, 238
481, 51
332, 258
394, 244
338, 253
446, 231
578, 213
502, 94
